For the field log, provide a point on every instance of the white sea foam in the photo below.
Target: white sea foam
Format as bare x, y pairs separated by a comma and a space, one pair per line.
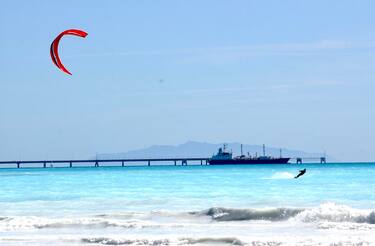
32, 222
164, 240
331, 212
281, 175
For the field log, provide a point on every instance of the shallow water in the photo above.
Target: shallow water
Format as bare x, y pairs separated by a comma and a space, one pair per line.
201, 205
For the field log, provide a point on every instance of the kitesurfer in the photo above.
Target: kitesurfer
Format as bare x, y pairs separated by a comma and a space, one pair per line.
301, 172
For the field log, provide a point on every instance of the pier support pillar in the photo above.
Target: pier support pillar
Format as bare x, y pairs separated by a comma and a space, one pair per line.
149, 163
122, 164
201, 162
175, 162
299, 160
96, 164
18, 165
184, 162
44, 164
322, 160
70, 164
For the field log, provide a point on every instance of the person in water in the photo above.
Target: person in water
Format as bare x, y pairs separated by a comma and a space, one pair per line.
301, 172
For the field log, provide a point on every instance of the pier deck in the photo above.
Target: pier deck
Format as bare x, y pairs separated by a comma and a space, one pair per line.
98, 162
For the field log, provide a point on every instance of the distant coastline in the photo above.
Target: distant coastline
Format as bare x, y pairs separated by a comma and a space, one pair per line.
204, 149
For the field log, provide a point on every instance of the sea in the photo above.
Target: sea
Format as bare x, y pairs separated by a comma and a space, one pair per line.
332, 204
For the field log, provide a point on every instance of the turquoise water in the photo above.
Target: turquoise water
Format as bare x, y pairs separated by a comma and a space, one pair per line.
34, 200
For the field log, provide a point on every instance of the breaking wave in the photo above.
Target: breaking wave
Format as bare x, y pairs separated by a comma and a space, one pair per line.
231, 214
329, 213
25, 222
112, 241
157, 242
227, 241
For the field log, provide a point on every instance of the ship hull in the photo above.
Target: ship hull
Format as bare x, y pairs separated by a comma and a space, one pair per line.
249, 161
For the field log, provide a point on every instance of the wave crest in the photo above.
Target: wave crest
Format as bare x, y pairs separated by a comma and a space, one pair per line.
161, 242
327, 212
112, 241
331, 212
25, 222
231, 214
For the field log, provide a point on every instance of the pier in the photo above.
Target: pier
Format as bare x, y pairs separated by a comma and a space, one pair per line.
138, 162
300, 160
112, 162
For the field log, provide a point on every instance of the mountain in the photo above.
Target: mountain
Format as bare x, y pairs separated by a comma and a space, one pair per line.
201, 149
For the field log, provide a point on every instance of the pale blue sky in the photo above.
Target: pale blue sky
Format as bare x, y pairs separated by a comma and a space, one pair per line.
294, 74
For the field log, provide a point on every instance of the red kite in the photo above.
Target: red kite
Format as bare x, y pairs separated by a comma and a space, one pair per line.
55, 45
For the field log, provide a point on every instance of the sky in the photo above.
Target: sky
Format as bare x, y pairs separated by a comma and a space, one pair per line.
290, 74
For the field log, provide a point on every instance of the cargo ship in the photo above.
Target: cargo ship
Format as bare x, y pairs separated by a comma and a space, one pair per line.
224, 157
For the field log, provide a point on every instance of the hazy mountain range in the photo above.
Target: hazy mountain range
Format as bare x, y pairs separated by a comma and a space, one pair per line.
202, 149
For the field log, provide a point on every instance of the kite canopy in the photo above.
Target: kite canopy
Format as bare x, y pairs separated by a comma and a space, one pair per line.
55, 46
